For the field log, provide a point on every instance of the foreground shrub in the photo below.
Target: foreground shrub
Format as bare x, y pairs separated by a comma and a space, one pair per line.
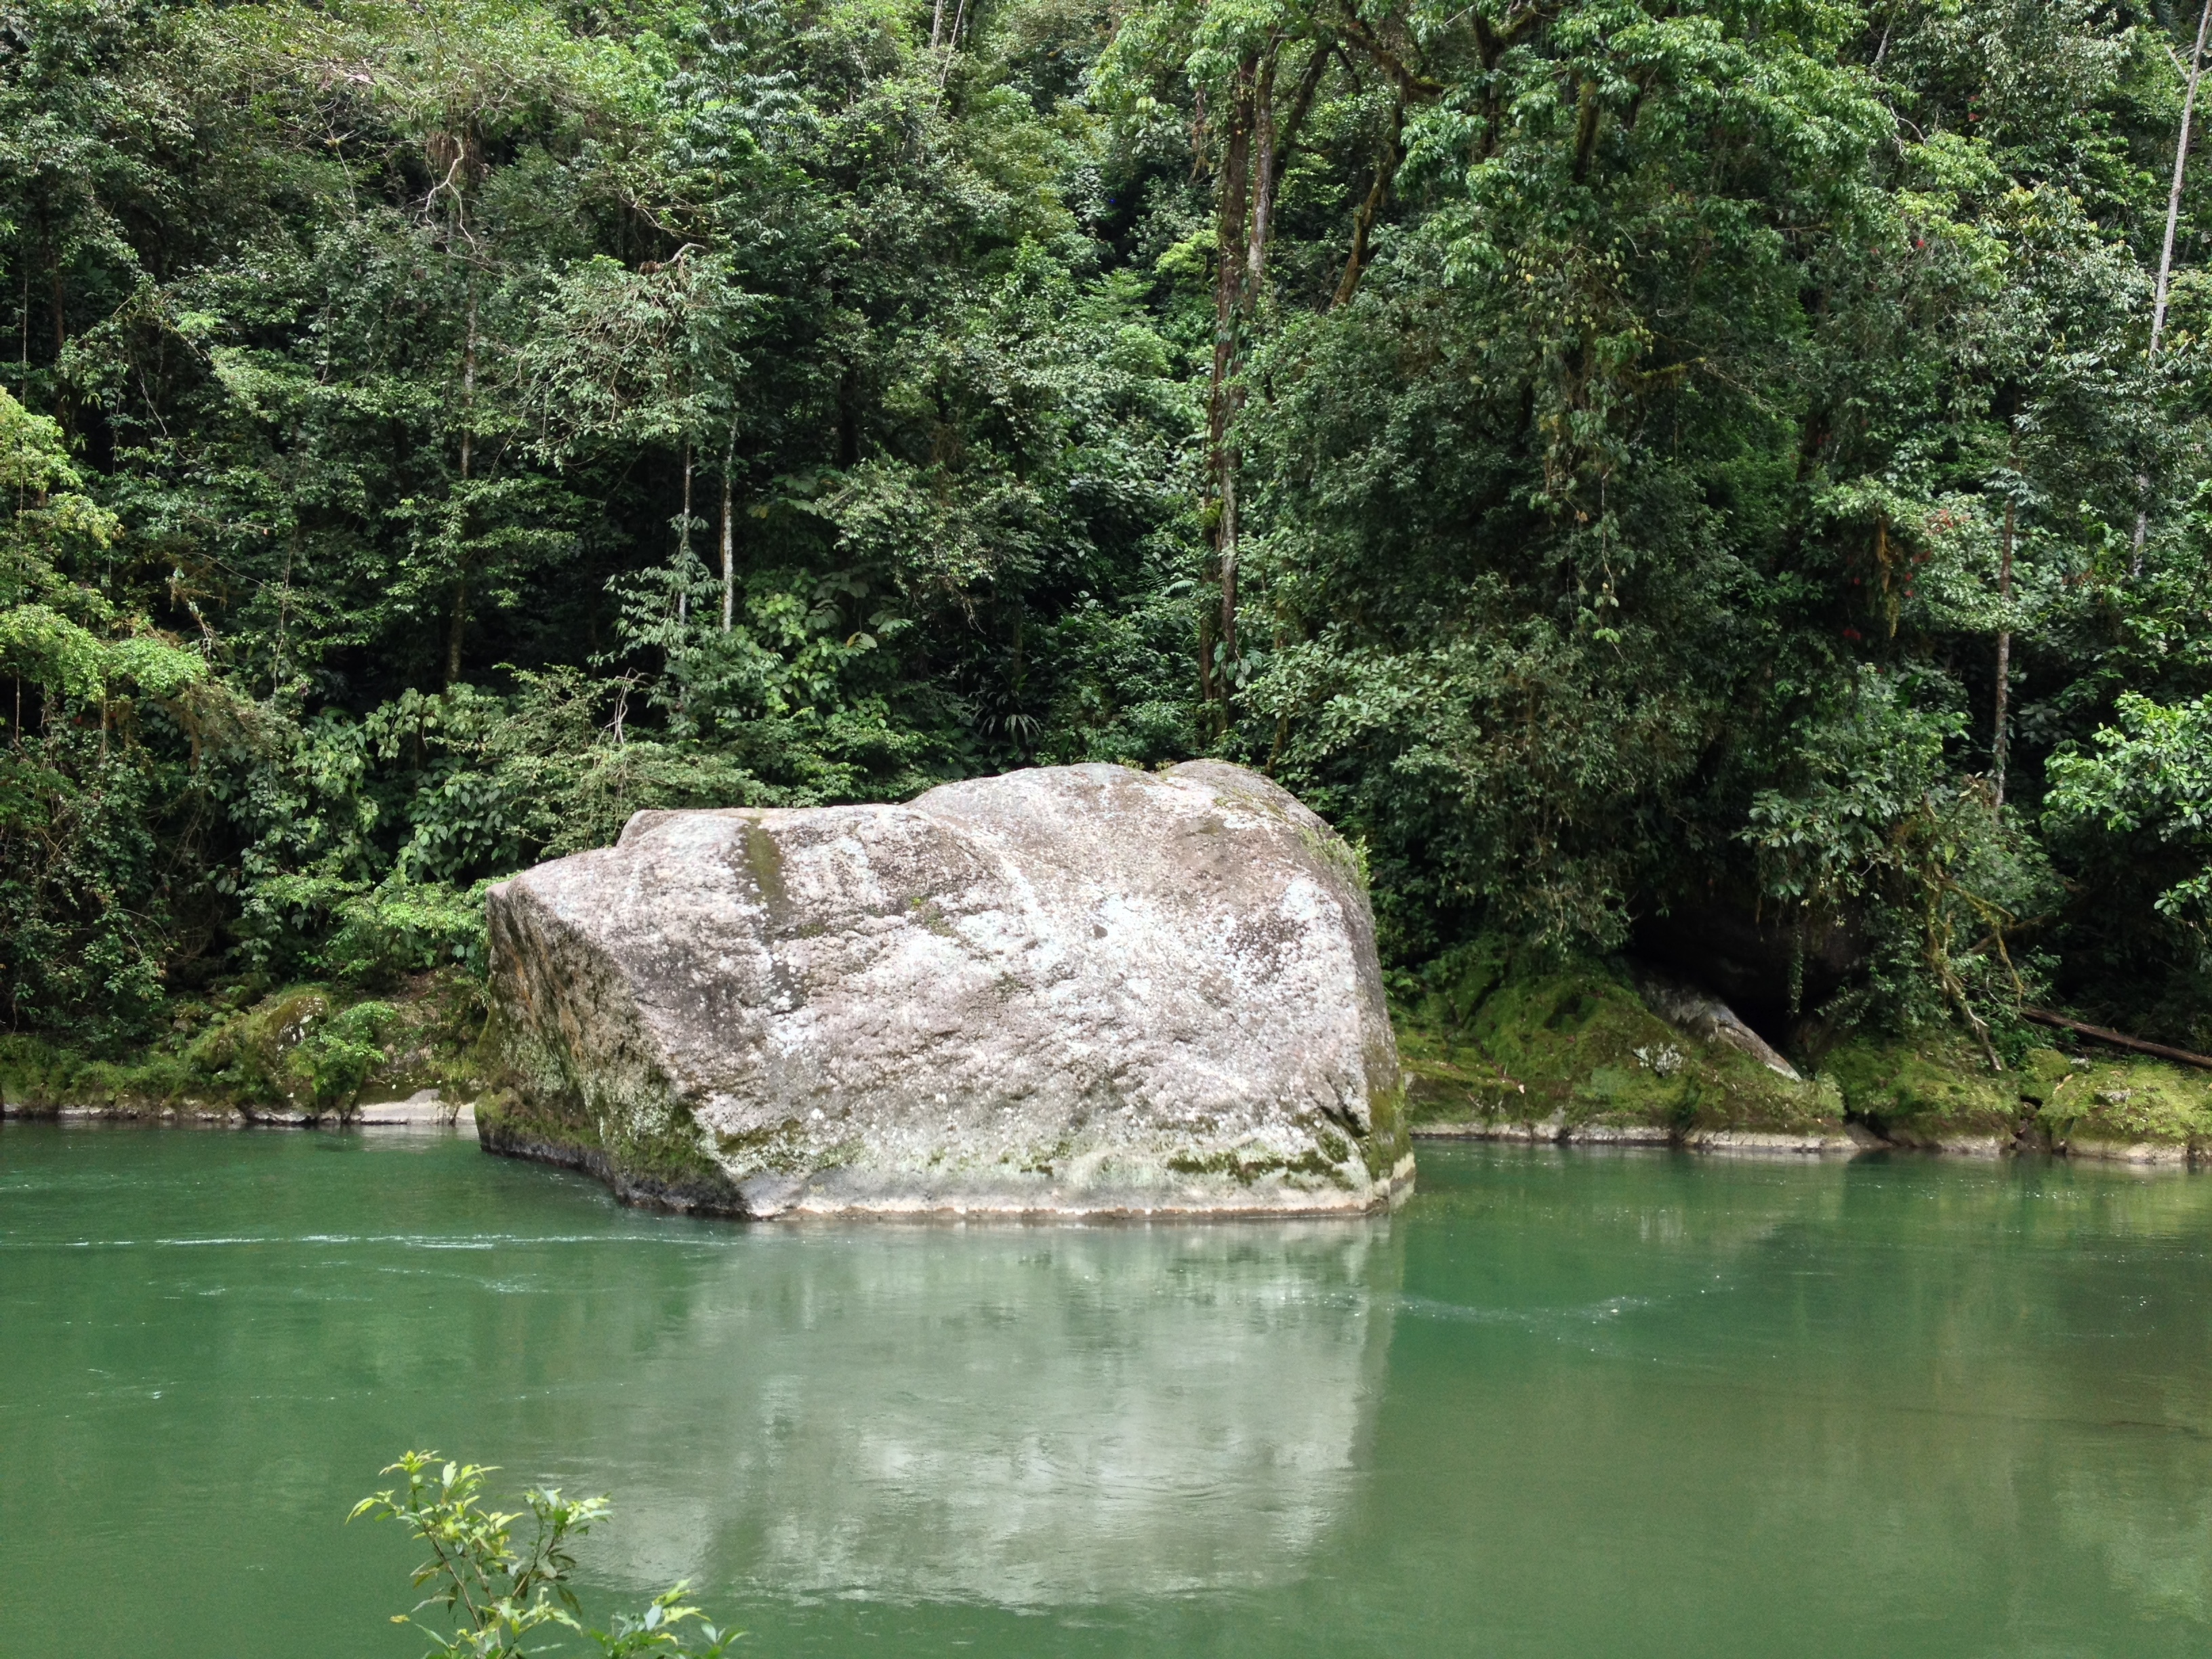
495, 1594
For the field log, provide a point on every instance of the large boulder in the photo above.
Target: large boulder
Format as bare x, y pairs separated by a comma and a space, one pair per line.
1079, 990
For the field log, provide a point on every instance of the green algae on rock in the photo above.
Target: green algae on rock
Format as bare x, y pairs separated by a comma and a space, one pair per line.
1068, 991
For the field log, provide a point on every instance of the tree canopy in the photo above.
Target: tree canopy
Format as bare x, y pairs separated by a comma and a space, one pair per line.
1643, 469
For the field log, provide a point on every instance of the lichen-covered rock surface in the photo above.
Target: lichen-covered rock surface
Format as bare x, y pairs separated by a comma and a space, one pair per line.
1077, 991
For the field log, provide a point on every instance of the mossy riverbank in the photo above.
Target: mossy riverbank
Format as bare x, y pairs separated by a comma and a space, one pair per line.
1494, 1046
301, 1054
1497, 1046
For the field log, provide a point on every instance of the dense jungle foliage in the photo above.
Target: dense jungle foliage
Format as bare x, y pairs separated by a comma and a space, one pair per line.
1721, 476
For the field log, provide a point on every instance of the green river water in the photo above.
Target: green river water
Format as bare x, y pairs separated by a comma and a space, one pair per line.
1562, 1403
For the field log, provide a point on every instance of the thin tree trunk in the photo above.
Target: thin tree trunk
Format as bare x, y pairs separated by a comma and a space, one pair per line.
1588, 114
1228, 310
61, 334
468, 385
1254, 148
952, 42
284, 609
1205, 669
2165, 251
1263, 176
459, 628
729, 558
1363, 220
2000, 744
2173, 195
1228, 283
1274, 146
468, 462
936, 25
1263, 161
1228, 576
683, 547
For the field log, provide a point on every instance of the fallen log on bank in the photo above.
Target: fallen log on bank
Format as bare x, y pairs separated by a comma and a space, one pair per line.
2044, 1016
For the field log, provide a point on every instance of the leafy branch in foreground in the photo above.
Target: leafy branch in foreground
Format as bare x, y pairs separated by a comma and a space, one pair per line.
495, 1594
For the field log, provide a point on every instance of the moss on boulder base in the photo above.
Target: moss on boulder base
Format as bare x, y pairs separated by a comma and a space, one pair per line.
2131, 1108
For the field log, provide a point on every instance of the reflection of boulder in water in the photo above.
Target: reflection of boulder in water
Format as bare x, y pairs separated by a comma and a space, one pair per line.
1022, 1417
2151, 1535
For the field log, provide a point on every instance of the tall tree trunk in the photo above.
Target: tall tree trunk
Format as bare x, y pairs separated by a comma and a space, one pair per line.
1204, 666
283, 610
1263, 176
60, 308
1588, 114
1231, 211
1229, 551
1274, 142
953, 41
1228, 315
1254, 146
468, 385
2166, 251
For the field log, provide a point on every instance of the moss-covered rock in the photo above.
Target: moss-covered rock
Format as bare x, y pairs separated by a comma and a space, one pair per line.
2136, 1108
1496, 1044
1496, 1041
1931, 1090
1937, 1091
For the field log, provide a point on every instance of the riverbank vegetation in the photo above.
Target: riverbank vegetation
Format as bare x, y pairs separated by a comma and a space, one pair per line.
1719, 481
